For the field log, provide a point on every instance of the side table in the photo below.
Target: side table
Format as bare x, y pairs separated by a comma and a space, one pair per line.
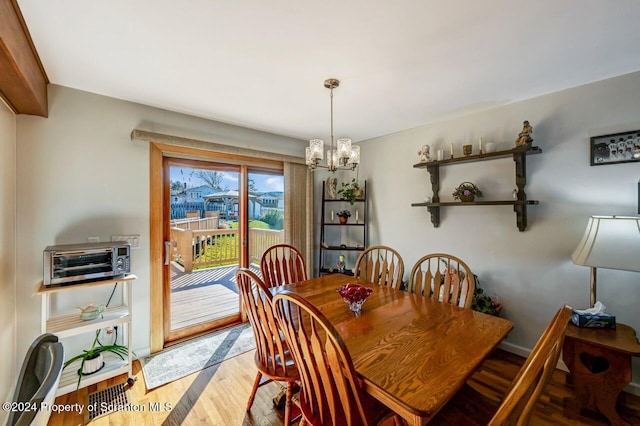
599, 362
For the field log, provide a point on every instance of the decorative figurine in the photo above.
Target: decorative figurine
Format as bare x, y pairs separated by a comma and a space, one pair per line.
332, 185
424, 154
524, 138
340, 263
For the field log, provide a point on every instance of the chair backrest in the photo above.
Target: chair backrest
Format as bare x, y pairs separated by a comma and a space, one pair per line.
282, 264
270, 346
331, 392
443, 277
38, 381
518, 404
381, 265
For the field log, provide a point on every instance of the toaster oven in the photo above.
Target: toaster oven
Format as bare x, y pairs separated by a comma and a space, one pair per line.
76, 263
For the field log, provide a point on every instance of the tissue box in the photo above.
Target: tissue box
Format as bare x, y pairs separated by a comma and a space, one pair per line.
594, 320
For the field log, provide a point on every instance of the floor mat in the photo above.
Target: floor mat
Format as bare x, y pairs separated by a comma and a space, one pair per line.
107, 401
188, 357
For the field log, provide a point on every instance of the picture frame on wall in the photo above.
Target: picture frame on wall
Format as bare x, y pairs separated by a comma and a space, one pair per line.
615, 148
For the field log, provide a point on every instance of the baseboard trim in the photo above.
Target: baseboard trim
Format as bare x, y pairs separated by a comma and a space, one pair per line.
139, 353
632, 388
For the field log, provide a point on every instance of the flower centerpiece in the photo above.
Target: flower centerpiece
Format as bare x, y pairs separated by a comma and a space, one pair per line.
344, 216
354, 295
466, 191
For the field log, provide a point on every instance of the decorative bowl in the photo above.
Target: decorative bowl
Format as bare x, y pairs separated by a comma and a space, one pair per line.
354, 295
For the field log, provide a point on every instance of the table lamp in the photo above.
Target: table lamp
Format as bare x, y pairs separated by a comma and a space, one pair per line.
611, 242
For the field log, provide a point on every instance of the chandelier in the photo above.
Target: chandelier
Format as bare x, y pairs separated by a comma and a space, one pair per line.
344, 156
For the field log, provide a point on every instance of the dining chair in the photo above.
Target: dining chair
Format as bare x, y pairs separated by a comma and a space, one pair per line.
520, 400
381, 265
331, 393
272, 357
443, 277
282, 264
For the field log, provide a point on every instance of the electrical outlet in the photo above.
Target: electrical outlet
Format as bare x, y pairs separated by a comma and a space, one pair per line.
133, 240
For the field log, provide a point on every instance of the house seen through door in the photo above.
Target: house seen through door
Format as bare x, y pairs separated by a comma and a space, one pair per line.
220, 217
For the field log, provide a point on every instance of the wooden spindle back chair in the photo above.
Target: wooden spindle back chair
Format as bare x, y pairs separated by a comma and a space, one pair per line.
282, 264
517, 406
272, 357
381, 265
443, 277
331, 392
471, 407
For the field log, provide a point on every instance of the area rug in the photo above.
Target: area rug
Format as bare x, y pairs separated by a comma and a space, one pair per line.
188, 357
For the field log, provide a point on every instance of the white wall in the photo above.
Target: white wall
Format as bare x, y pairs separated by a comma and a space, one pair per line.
8, 363
80, 175
530, 271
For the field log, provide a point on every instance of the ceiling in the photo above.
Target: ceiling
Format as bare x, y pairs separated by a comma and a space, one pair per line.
261, 64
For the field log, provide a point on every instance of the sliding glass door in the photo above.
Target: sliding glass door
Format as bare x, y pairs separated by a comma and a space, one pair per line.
219, 217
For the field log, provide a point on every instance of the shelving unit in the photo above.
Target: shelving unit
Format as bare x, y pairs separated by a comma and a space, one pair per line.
360, 226
520, 204
69, 325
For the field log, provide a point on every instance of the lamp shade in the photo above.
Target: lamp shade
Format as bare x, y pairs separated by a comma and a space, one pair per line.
611, 242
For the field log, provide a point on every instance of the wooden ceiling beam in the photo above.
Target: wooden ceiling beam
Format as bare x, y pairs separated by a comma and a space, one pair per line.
23, 81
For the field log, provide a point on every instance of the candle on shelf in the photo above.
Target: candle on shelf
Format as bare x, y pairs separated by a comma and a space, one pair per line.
331, 215
480, 145
451, 150
356, 216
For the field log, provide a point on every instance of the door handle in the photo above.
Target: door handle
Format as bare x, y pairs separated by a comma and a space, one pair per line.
167, 252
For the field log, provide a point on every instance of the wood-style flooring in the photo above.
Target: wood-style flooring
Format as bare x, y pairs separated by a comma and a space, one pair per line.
218, 396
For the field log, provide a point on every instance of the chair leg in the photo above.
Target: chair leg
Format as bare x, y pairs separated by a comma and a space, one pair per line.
287, 406
256, 384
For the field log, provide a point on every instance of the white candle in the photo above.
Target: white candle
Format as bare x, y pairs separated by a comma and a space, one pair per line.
331, 215
356, 216
480, 143
452, 150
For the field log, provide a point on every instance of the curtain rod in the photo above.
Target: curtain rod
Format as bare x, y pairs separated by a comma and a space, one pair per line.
146, 136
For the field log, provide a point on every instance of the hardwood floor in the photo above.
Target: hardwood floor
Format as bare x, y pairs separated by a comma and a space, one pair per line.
218, 396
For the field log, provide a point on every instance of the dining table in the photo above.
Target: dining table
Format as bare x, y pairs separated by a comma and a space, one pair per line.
412, 353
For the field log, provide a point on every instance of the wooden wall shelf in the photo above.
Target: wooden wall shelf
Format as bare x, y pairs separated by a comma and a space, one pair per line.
519, 205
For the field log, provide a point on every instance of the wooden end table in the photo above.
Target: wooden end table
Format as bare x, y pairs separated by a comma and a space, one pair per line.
599, 363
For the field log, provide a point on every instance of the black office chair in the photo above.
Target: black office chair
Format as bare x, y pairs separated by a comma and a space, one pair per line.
38, 381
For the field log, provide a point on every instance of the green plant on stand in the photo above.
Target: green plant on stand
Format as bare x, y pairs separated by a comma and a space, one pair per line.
350, 191
95, 352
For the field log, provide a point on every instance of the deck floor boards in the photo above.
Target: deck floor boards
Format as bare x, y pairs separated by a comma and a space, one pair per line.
204, 295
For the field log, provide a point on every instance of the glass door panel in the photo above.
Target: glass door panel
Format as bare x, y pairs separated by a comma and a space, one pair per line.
265, 213
205, 244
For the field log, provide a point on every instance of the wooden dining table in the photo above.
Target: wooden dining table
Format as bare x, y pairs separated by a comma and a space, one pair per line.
412, 353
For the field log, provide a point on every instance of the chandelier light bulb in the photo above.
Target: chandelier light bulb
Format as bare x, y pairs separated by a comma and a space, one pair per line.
354, 158
344, 148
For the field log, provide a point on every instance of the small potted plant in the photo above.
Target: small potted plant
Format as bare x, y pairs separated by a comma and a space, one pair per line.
467, 192
344, 216
92, 359
350, 191
483, 303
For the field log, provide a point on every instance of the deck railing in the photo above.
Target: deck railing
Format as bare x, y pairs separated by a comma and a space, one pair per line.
196, 249
195, 223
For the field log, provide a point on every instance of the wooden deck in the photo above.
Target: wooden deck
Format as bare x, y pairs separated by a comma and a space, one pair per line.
204, 295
